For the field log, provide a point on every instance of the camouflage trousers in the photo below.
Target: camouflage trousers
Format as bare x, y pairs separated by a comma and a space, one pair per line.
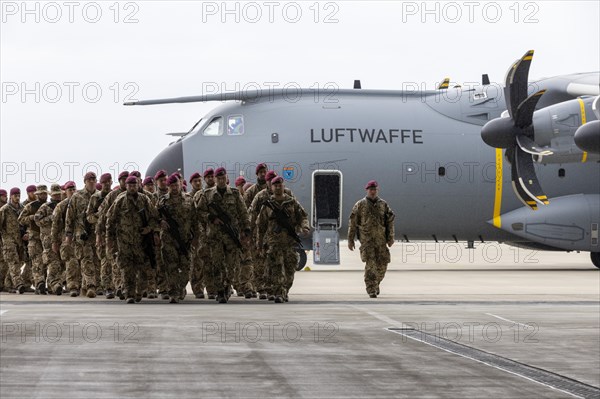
39, 269
376, 259
57, 265
133, 265
244, 273
14, 256
73, 268
160, 274
176, 267
90, 265
260, 277
112, 269
220, 267
281, 261
5, 280
27, 274
197, 268
106, 274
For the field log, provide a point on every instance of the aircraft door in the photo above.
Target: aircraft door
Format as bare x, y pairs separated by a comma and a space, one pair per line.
326, 216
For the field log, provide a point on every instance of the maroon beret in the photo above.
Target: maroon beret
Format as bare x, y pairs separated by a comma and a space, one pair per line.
370, 184
131, 180
105, 178
98, 186
123, 175
173, 179
160, 174
148, 180
195, 175
270, 175
220, 171
136, 173
30, 189
260, 166
277, 180
69, 184
3, 192
209, 172
89, 175
240, 181
15, 190
248, 185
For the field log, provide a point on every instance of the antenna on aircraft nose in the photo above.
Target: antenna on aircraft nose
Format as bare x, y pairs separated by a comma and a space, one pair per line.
357, 84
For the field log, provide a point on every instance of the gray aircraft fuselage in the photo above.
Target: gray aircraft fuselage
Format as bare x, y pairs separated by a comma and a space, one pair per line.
399, 139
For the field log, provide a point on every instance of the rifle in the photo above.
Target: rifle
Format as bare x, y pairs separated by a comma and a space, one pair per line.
147, 240
282, 217
182, 246
226, 225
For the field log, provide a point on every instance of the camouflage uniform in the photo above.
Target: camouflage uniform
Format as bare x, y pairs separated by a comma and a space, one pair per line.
76, 225
66, 259
200, 258
181, 212
27, 273
281, 255
43, 218
372, 222
160, 279
152, 273
104, 274
123, 226
224, 253
5, 280
111, 271
12, 242
34, 245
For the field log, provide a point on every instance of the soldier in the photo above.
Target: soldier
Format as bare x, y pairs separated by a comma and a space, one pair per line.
372, 222
278, 222
78, 227
34, 244
43, 218
27, 274
239, 183
196, 182
101, 233
129, 220
104, 277
179, 229
261, 184
161, 183
30, 190
5, 280
13, 238
149, 184
223, 211
201, 256
65, 251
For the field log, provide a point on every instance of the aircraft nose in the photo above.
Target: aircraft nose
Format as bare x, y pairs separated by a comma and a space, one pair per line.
169, 159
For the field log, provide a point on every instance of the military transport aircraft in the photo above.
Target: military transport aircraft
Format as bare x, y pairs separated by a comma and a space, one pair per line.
518, 165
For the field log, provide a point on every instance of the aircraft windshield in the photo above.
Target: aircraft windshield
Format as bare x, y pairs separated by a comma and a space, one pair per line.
196, 128
215, 127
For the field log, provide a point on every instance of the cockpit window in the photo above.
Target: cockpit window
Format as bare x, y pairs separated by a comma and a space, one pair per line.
215, 127
235, 125
196, 128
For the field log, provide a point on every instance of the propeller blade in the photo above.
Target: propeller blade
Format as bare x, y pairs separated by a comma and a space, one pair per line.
514, 175
528, 178
530, 147
525, 110
516, 82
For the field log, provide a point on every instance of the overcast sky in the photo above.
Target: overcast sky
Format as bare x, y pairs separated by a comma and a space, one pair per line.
67, 67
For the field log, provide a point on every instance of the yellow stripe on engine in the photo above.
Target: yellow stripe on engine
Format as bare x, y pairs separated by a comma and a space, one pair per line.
498, 194
583, 122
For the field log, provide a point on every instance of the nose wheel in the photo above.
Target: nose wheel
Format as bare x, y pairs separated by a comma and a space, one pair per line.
301, 259
595, 258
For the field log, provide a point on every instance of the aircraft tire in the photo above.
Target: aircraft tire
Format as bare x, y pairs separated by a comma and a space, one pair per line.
595, 258
301, 259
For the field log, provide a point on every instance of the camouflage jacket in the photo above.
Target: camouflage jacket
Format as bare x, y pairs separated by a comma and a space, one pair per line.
9, 224
124, 221
103, 210
231, 203
270, 231
76, 223
27, 219
258, 202
43, 218
178, 210
371, 222
92, 212
251, 193
57, 232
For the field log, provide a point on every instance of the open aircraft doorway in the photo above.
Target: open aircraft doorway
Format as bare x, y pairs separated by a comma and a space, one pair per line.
326, 216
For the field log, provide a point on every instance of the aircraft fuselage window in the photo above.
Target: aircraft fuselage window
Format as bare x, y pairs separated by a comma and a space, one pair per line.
235, 125
215, 127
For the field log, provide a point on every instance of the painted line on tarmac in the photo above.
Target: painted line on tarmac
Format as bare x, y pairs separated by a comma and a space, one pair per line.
510, 321
2, 312
540, 376
381, 317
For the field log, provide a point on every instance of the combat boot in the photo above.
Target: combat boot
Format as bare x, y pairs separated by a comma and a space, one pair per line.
152, 295
21, 289
58, 290
199, 295
138, 298
278, 299
174, 300
373, 295
248, 295
91, 293
262, 296
110, 294
99, 292
74, 293
41, 288
211, 296
164, 296
130, 300
271, 297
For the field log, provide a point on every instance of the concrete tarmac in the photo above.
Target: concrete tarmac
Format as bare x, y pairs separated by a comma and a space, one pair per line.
470, 323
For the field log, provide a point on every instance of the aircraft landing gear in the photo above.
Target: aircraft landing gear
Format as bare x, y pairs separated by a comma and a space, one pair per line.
595, 258
301, 260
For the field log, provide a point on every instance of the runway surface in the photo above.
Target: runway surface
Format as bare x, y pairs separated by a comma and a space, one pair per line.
519, 324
